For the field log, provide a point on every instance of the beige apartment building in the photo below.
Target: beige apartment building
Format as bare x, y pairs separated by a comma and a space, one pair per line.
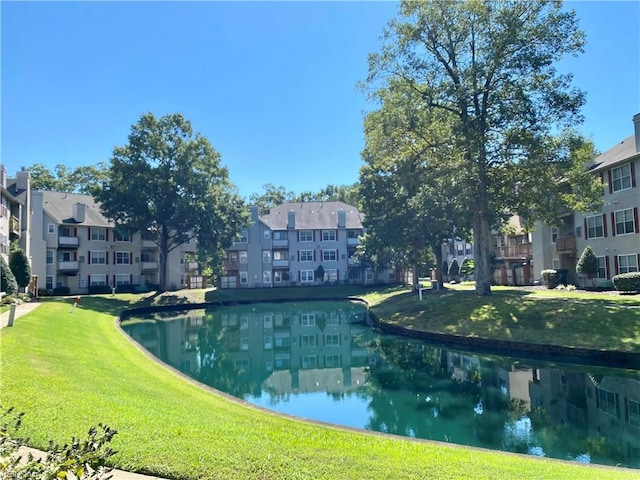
73, 247
613, 233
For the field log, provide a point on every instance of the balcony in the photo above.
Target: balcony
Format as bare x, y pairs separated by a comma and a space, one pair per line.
514, 251
231, 265
149, 244
68, 242
14, 226
68, 267
149, 266
280, 243
191, 266
566, 246
353, 241
280, 263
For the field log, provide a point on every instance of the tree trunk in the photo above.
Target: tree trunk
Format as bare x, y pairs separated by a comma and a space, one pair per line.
482, 245
437, 251
164, 255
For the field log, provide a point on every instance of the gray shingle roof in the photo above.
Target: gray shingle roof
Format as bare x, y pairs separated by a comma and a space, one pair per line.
60, 206
312, 215
622, 152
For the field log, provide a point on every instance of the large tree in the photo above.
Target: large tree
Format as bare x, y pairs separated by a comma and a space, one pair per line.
490, 66
84, 179
168, 183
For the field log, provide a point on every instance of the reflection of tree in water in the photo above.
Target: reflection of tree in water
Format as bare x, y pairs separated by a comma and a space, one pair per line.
216, 369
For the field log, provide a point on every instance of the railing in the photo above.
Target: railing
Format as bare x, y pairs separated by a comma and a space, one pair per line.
149, 266
191, 266
14, 225
566, 245
69, 242
68, 266
281, 263
514, 251
353, 241
280, 243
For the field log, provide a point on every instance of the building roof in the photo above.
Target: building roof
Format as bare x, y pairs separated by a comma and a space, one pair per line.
312, 215
622, 152
59, 206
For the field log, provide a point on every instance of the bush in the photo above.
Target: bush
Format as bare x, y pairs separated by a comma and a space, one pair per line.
468, 267
627, 282
61, 291
19, 265
44, 292
99, 289
8, 282
84, 459
550, 277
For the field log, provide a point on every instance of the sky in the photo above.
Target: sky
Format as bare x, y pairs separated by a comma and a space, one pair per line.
272, 85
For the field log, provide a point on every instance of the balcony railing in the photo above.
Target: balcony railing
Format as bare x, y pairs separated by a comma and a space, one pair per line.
68, 242
149, 266
514, 251
190, 266
149, 244
68, 266
14, 225
280, 243
566, 245
280, 263
231, 265
352, 241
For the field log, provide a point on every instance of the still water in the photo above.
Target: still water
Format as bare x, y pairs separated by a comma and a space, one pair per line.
324, 361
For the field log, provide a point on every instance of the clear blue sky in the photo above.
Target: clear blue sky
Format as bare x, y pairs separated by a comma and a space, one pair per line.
271, 84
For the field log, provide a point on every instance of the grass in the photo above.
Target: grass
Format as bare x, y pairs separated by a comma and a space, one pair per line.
68, 371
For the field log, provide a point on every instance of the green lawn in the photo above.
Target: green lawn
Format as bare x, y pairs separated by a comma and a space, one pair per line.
69, 371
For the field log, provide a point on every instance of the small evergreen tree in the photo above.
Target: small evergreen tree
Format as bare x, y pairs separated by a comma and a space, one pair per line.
467, 267
8, 282
588, 264
19, 265
454, 270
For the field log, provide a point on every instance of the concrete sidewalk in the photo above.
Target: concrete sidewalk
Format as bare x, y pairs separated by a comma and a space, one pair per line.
23, 309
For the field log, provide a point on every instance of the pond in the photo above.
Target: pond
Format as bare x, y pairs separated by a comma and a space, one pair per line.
324, 361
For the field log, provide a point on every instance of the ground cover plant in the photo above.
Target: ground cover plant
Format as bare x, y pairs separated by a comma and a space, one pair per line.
68, 371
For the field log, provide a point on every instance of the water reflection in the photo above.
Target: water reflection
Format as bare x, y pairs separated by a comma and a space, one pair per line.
321, 360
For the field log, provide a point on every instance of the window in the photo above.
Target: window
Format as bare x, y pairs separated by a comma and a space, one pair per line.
621, 177
279, 255
554, 234
98, 279
123, 280
308, 341
267, 234
306, 255
333, 319
602, 268
607, 401
332, 361
242, 255
122, 258
267, 321
306, 276
331, 275
332, 340
280, 235
595, 229
49, 282
99, 233
98, 258
122, 237
244, 278
306, 236
266, 256
328, 235
266, 277
555, 263
309, 361
244, 236
369, 275
329, 255
634, 412
624, 221
51, 228
277, 276
627, 263
308, 319
49, 257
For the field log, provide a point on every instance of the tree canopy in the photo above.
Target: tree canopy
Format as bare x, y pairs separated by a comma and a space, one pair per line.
168, 183
486, 70
84, 179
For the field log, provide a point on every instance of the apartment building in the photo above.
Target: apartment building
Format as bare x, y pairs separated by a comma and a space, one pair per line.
298, 244
72, 245
613, 233
12, 214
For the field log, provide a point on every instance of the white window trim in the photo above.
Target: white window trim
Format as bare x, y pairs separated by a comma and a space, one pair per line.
615, 218
307, 276
306, 253
595, 218
613, 180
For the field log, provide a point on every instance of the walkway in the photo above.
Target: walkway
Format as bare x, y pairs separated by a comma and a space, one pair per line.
23, 309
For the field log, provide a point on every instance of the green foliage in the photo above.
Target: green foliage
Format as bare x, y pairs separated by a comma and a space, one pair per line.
485, 72
627, 282
19, 265
168, 183
83, 180
8, 282
81, 459
467, 267
550, 277
587, 263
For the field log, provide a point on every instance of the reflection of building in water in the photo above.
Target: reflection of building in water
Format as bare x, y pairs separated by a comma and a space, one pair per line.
309, 349
172, 339
607, 407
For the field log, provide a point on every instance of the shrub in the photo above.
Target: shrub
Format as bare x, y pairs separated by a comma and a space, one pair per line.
19, 265
468, 266
61, 291
99, 289
550, 277
84, 459
588, 263
44, 292
8, 282
627, 282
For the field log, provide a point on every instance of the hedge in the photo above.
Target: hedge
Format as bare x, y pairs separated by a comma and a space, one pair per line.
627, 282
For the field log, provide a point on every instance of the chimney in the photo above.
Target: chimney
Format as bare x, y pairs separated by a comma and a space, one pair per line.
254, 213
291, 220
23, 180
3, 176
78, 212
342, 219
636, 126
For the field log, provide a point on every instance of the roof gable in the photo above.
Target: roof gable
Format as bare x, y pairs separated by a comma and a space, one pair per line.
312, 215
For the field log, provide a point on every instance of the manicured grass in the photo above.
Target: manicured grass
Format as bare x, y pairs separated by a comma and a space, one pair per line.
68, 371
